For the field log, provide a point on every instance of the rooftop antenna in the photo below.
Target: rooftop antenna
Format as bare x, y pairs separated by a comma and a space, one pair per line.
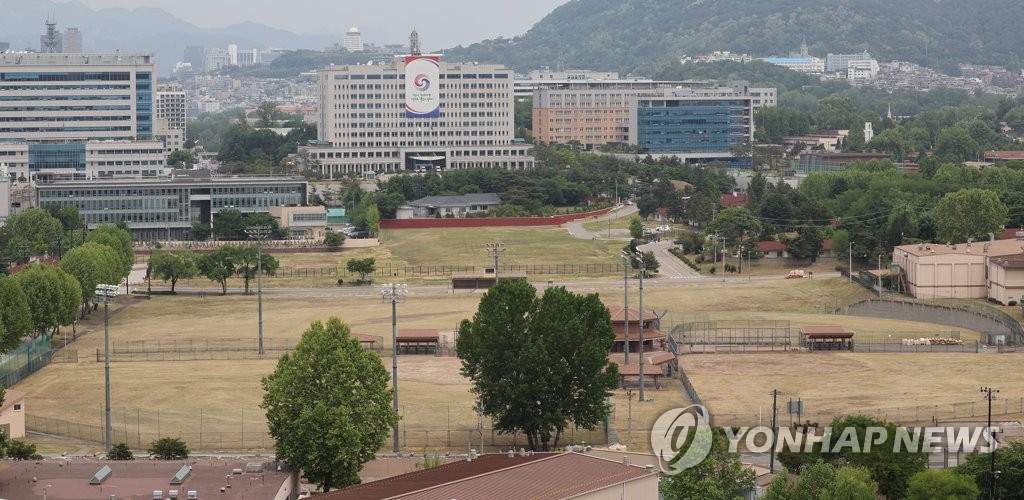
50, 40
414, 43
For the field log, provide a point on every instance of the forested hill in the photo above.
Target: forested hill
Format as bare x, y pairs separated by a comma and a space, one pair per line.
626, 35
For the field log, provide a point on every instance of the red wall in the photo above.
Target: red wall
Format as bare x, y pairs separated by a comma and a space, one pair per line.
487, 221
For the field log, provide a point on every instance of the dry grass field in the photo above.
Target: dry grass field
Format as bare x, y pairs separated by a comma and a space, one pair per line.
215, 403
902, 387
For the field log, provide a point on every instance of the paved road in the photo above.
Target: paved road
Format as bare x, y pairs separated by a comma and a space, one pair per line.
577, 230
669, 266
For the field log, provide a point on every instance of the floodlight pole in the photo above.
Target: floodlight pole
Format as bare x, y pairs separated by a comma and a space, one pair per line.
643, 349
992, 453
395, 293
259, 232
495, 249
625, 297
106, 294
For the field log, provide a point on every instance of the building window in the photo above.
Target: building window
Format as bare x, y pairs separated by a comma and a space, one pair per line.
17, 407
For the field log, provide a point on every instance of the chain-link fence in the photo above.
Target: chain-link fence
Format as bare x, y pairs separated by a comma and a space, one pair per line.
24, 360
920, 414
422, 427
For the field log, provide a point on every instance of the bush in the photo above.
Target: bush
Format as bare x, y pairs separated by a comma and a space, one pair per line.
333, 239
120, 451
1012, 303
168, 449
712, 270
20, 450
729, 268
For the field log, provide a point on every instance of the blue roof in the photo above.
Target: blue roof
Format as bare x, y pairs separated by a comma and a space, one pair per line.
776, 60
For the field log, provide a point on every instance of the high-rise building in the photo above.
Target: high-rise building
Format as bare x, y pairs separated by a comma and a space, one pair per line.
697, 128
373, 118
78, 115
5, 46
170, 112
353, 40
195, 55
72, 41
233, 54
593, 113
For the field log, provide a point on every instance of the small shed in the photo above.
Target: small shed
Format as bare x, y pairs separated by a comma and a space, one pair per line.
826, 337
483, 279
418, 341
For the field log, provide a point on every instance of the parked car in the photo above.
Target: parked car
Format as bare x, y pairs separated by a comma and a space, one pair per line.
359, 234
663, 229
795, 273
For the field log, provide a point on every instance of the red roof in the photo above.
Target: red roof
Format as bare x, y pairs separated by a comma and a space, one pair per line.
770, 246
732, 200
1010, 233
418, 335
618, 316
826, 245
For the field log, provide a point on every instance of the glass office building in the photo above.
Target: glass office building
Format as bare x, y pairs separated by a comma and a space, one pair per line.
166, 208
701, 128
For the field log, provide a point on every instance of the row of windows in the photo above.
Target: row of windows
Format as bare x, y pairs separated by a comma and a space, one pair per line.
65, 88
401, 76
22, 130
318, 217
123, 107
126, 151
65, 76
121, 163
443, 86
63, 118
119, 97
396, 154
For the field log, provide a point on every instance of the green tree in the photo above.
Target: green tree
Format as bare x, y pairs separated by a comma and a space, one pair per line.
92, 264
201, 232
835, 113
120, 451
21, 450
167, 448
734, 224
942, 483
806, 245
956, 144
539, 364
70, 298
119, 240
372, 219
181, 158
1009, 463
266, 114
218, 266
890, 469
247, 260
173, 266
229, 225
720, 476
334, 239
636, 228
45, 290
31, 232
969, 213
362, 267
328, 405
15, 315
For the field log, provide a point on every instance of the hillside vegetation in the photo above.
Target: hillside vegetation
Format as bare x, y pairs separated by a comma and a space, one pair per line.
629, 35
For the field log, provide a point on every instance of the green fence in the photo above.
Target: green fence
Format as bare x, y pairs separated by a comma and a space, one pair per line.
24, 360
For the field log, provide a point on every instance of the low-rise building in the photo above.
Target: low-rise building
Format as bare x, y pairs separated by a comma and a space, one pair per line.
302, 223
161, 209
975, 270
809, 64
453, 206
12, 414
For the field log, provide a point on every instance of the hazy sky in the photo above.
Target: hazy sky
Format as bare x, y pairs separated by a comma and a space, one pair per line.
440, 23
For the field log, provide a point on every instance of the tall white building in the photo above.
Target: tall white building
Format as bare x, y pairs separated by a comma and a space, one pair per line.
841, 62
73, 41
364, 126
171, 116
862, 69
353, 40
78, 115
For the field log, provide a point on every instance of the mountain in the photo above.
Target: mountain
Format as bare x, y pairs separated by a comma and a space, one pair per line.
138, 30
625, 35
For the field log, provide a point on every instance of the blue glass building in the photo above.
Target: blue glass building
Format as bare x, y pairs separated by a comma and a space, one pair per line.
698, 128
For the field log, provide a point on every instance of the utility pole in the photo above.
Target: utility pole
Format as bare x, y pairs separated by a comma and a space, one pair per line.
850, 269
495, 249
993, 473
775, 430
260, 233
643, 349
625, 297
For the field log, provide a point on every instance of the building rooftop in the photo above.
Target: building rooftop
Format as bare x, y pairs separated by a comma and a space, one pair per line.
69, 479
61, 59
996, 248
457, 201
496, 477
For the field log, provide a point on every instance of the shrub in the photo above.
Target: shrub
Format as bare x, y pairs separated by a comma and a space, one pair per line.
168, 449
333, 239
1012, 303
729, 268
20, 450
712, 270
120, 451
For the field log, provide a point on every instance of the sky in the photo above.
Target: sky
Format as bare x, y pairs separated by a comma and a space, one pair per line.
440, 23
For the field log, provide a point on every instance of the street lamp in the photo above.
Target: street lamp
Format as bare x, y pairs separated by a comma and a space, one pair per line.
495, 249
395, 293
990, 395
259, 232
106, 295
625, 297
643, 349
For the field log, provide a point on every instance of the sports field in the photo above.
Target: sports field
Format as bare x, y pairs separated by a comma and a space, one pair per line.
214, 404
